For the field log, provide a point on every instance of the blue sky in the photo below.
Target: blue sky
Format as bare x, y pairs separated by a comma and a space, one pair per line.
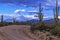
27, 8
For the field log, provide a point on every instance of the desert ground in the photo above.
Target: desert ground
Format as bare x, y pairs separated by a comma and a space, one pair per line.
16, 32
20, 32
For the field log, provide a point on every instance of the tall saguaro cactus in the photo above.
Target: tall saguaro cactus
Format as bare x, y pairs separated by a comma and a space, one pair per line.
54, 15
14, 20
56, 18
1, 18
40, 14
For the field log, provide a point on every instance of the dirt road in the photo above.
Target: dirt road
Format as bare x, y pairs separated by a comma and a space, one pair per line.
15, 32
19, 32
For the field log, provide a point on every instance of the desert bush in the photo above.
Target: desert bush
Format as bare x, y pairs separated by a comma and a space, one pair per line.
42, 27
53, 29
56, 31
33, 27
37, 27
3, 24
9, 23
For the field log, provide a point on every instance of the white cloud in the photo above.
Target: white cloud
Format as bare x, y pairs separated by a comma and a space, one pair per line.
6, 14
23, 5
11, 15
59, 17
30, 16
46, 17
34, 16
26, 16
52, 3
48, 4
59, 3
19, 10
32, 11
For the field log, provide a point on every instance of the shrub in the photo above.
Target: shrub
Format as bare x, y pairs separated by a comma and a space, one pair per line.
3, 24
33, 27
42, 27
37, 27
56, 31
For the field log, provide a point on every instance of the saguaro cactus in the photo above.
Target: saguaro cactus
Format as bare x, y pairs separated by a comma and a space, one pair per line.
56, 12
14, 20
1, 18
40, 13
54, 15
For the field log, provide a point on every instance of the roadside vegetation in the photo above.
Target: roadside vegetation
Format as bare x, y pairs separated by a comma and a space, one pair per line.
53, 29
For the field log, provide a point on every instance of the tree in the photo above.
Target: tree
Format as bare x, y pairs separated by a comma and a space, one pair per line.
40, 13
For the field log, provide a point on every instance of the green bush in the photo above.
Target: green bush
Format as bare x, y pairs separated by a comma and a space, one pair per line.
3, 24
42, 27
56, 31
37, 27
33, 27
53, 29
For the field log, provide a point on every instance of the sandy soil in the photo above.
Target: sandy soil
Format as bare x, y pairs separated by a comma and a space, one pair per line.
16, 32
20, 32
13, 32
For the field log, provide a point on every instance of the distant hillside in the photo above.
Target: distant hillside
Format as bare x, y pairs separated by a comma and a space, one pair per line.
23, 19
33, 21
37, 21
51, 21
